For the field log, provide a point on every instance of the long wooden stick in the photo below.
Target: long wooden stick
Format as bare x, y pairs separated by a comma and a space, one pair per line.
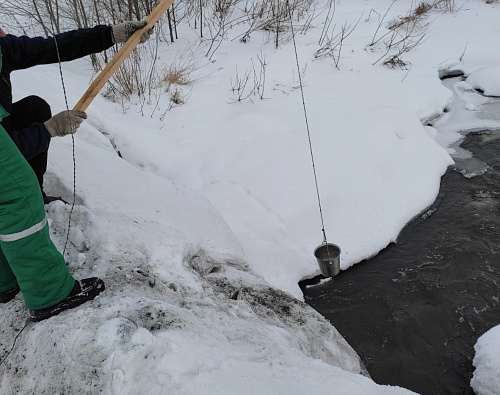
120, 56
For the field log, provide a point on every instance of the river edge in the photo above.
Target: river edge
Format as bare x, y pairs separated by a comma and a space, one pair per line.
415, 311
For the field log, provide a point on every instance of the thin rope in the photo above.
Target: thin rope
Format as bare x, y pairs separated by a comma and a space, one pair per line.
72, 141
14, 343
307, 126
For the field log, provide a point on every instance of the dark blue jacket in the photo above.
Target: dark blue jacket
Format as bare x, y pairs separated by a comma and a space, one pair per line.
23, 52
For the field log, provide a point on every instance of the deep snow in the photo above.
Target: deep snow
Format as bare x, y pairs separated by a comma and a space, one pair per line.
204, 228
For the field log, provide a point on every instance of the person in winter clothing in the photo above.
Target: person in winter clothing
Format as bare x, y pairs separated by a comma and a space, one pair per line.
29, 261
25, 123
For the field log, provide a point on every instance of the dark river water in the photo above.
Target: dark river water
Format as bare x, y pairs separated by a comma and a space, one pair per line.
414, 312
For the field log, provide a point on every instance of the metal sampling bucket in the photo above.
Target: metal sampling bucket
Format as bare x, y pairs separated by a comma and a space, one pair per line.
328, 256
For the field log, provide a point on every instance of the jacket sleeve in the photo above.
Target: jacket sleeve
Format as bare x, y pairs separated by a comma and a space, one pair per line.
23, 52
32, 140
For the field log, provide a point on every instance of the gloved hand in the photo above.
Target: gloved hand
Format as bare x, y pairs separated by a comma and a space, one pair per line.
124, 31
66, 122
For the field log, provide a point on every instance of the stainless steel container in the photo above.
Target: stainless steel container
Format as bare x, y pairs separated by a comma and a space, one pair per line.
328, 257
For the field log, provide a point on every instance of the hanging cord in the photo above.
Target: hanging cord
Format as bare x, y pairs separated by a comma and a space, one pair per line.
307, 126
72, 140
14, 343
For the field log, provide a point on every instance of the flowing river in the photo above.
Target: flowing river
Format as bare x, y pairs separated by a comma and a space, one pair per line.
414, 312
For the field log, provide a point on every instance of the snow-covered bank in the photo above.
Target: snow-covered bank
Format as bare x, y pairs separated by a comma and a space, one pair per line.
182, 313
473, 111
205, 227
486, 380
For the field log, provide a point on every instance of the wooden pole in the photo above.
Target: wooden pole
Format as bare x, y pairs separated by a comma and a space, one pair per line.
120, 56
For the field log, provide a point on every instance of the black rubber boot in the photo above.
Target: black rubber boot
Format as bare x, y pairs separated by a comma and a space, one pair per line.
83, 291
7, 296
49, 199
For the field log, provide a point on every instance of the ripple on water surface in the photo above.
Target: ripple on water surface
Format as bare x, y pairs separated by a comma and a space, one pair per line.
414, 312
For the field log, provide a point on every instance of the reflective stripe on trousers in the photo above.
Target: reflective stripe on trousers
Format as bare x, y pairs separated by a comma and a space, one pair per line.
25, 233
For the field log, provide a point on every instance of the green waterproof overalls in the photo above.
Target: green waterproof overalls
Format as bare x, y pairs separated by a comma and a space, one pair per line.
28, 257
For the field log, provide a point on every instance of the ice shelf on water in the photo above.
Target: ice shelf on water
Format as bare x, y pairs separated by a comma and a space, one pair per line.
470, 111
468, 165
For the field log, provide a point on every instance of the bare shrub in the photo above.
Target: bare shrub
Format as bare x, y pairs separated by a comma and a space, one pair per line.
218, 25
274, 16
328, 21
394, 61
403, 35
259, 77
54, 16
332, 45
408, 32
177, 98
181, 69
239, 86
176, 78
445, 5
179, 73
416, 16
137, 78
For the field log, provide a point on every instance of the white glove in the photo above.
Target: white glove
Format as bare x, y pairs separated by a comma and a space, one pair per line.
66, 122
125, 30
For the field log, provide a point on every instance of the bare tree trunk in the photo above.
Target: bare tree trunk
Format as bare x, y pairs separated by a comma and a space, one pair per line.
120, 11
97, 13
45, 30
77, 14
137, 10
54, 16
175, 22
85, 19
149, 7
130, 9
201, 18
277, 16
170, 26
113, 13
